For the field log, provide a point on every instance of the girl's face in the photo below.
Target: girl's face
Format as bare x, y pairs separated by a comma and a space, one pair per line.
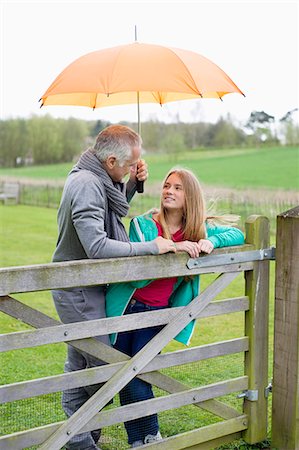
173, 196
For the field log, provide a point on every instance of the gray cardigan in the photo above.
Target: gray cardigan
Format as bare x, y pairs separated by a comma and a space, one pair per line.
81, 222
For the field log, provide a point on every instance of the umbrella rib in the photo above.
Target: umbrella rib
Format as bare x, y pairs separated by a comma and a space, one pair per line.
197, 90
158, 97
95, 101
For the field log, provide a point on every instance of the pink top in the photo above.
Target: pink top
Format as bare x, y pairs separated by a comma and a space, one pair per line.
157, 293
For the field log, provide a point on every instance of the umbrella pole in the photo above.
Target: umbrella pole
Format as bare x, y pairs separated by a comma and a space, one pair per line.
140, 187
138, 107
138, 114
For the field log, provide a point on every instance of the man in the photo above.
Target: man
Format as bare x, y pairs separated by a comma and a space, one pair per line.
93, 202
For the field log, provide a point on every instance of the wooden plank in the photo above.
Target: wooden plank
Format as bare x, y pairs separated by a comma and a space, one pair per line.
129, 412
92, 328
216, 443
30, 316
95, 375
203, 438
172, 385
167, 402
256, 328
74, 424
90, 272
285, 413
35, 318
111, 355
24, 313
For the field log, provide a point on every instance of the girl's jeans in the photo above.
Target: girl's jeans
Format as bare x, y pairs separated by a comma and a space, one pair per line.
130, 342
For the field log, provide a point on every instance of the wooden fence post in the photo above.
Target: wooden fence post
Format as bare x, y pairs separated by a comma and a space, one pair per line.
256, 328
285, 411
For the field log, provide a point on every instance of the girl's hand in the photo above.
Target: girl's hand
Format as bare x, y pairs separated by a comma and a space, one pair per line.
190, 247
205, 246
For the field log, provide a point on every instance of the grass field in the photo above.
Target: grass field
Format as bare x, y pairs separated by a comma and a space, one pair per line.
271, 168
239, 181
29, 237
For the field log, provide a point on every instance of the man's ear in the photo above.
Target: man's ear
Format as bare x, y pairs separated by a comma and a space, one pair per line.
110, 162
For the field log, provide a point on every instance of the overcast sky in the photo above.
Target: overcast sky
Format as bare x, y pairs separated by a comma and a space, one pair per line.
254, 42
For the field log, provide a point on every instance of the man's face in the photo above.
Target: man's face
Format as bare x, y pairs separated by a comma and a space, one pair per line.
117, 172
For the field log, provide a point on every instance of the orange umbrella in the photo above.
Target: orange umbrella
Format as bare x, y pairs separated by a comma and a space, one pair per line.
159, 74
137, 73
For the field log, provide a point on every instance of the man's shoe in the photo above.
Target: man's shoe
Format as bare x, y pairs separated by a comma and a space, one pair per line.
136, 444
152, 438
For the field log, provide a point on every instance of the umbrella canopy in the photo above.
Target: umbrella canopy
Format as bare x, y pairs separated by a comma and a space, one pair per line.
137, 72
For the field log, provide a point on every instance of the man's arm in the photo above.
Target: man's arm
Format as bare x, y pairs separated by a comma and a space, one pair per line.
88, 216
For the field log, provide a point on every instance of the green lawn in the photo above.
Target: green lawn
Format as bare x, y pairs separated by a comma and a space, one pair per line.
28, 236
272, 168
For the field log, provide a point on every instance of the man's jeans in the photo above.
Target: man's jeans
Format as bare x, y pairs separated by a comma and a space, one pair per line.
130, 342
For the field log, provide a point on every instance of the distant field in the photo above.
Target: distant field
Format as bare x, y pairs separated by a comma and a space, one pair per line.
272, 168
276, 168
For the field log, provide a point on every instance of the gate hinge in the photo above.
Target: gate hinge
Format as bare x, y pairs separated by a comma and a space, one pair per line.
268, 390
232, 258
251, 394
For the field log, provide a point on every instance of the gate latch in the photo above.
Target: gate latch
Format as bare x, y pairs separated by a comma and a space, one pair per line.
251, 394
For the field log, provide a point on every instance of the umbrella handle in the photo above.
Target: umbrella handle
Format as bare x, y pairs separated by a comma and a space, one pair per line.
140, 186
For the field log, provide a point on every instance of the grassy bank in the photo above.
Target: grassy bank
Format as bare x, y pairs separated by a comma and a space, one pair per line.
241, 181
271, 168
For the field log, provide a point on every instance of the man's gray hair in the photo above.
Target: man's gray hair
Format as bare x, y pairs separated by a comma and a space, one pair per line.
118, 141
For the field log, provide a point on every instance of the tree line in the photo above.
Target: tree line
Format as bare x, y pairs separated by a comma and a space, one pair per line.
46, 140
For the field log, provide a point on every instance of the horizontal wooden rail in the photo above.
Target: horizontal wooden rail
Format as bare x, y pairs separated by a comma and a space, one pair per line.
90, 272
133, 411
70, 380
81, 330
210, 436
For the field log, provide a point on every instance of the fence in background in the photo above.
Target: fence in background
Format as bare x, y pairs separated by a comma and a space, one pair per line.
242, 202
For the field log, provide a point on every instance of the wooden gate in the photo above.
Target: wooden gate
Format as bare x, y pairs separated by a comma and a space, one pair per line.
252, 259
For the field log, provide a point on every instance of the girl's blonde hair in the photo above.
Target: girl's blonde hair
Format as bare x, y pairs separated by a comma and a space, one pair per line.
194, 210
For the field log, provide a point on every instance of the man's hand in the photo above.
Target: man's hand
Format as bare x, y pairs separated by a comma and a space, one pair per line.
165, 245
140, 171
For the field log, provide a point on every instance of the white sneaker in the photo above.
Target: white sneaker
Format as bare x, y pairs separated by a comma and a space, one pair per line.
152, 438
136, 444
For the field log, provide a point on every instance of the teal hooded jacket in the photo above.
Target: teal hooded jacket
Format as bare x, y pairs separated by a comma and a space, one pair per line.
142, 229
